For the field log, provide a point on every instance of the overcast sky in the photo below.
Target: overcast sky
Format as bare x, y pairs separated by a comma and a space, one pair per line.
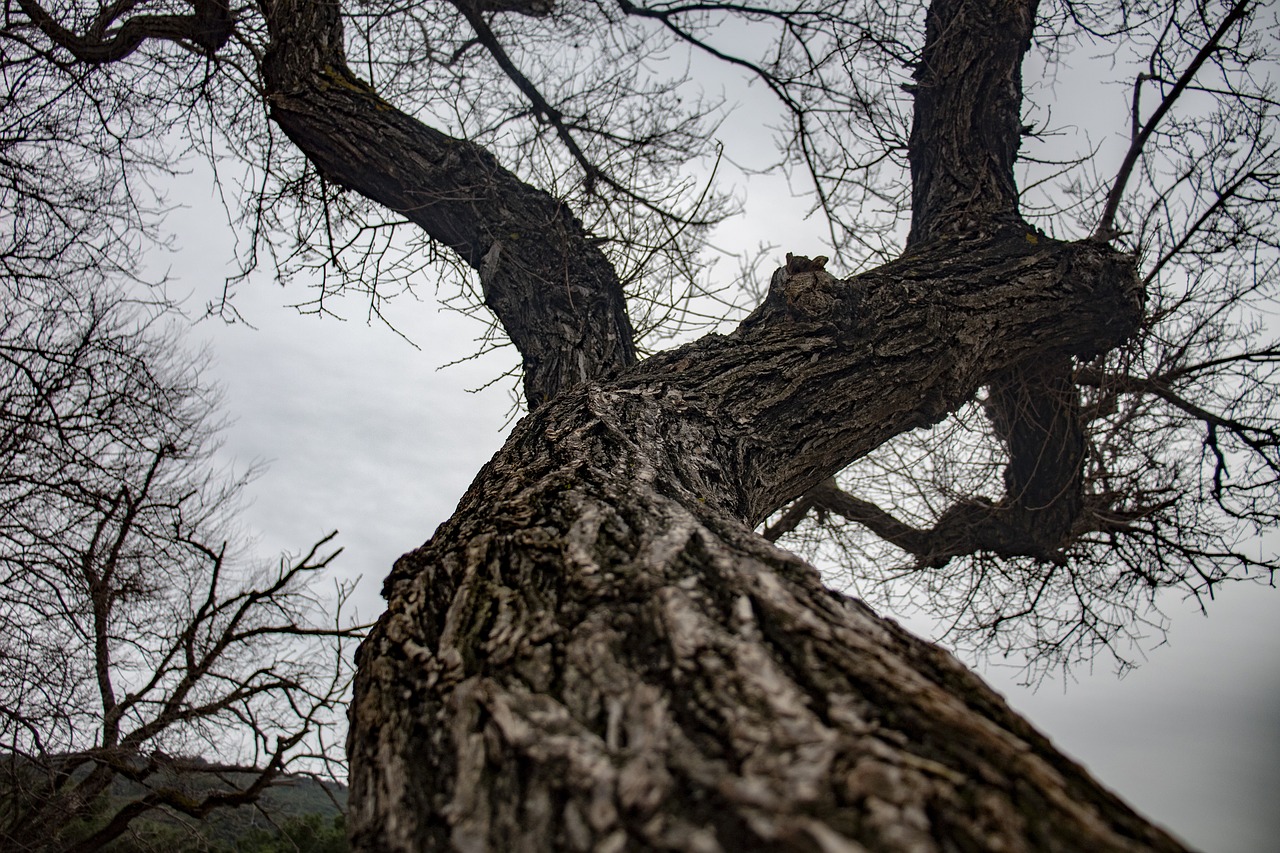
365, 434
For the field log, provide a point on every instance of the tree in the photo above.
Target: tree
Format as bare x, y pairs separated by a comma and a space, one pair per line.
597, 651
146, 667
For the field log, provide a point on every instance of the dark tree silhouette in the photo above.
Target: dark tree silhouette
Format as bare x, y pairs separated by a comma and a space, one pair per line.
1050, 387
145, 664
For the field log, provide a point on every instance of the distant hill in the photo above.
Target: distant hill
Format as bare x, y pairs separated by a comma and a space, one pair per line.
297, 813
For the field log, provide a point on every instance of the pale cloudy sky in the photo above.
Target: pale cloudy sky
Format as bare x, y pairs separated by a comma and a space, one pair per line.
368, 435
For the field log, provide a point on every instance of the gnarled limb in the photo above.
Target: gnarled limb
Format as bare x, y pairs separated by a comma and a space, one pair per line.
964, 144
109, 40
555, 293
904, 344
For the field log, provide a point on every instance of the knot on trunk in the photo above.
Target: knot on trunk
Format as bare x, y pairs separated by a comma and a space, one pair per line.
803, 292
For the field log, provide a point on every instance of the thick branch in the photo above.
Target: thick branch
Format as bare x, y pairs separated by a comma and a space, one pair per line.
967, 126
827, 496
1007, 528
209, 27
551, 287
1035, 410
595, 652
825, 370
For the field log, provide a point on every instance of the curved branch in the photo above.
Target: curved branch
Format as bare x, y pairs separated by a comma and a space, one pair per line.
827, 496
554, 291
1036, 414
210, 28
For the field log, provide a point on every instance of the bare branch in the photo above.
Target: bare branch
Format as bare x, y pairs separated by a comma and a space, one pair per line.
1106, 222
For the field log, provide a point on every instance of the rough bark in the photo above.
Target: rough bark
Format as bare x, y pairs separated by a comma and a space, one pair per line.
967, 125
1035, 411
597, 653
613, 671
964, 142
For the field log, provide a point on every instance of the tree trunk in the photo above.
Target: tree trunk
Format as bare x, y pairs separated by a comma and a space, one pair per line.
597, 653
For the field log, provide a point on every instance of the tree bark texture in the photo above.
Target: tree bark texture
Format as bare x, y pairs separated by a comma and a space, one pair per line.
965, 136
967, 123
597, 653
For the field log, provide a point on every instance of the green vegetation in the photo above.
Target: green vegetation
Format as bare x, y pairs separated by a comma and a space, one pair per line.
299, 815
311, 833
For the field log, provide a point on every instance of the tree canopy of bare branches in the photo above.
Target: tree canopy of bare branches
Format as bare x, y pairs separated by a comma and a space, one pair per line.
1046, 397
138, 644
